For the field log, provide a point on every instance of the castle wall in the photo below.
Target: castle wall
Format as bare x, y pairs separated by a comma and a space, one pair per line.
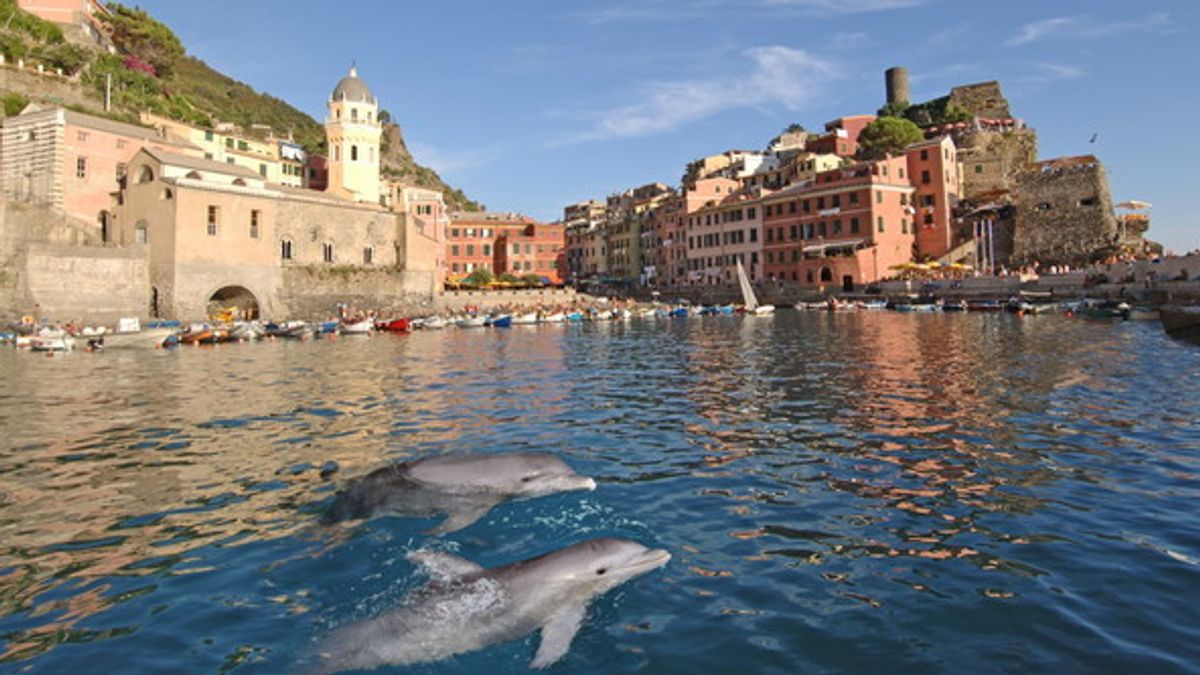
1064, 213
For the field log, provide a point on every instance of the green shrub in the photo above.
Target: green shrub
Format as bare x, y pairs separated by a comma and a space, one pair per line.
14, 103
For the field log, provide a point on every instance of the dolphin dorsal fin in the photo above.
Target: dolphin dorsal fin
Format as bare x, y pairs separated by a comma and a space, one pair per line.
443, 566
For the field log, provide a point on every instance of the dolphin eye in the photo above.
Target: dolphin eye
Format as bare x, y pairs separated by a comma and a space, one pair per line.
602, 571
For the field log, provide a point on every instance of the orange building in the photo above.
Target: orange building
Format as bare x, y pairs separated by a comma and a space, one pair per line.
933, 170
847, 227
538, 249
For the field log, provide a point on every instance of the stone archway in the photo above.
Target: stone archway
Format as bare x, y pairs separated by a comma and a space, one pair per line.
826, 274
237, 301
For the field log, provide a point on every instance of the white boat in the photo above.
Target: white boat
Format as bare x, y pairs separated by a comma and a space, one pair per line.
472, 322
651, 313
142, 339
433, 322
363, 327
52, 340
749, 301
557, 317
873, 304
525, 319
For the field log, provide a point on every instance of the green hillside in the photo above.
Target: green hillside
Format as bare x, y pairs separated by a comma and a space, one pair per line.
153, 72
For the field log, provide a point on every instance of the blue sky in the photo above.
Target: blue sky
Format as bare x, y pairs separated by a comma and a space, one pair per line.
529, 106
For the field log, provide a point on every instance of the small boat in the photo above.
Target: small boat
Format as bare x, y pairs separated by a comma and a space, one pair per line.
960, 306
433, 322
196, 334
363, 327
296, 330
394, 325
557, 317
502, 321
150, 338
472, 322
575, 316
1181, 321
678, 311
245, 331
600, 316
916, 307
984, 306
1108, 309
525, 319
52, 340
873, 304
813, 306
836, 305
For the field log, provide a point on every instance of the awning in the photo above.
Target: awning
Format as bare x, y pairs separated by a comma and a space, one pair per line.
1134, 205
818, 248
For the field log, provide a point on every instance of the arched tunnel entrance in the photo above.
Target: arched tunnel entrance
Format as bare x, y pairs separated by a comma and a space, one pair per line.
232, 303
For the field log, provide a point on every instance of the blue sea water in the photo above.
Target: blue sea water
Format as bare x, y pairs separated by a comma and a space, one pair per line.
842, 493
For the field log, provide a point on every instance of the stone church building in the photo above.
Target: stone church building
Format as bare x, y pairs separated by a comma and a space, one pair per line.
220, 235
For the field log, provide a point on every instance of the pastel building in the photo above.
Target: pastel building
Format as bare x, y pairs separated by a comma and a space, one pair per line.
74, 163
723, 233
80, 18
846, 228
472, 239
352, 131
841, 136
933, 169
536, 250
581, 221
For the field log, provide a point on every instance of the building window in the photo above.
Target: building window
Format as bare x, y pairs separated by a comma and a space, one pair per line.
879, 222
337, 153
470, 249
516, 249
904, 226
925, 177
924, 155
243, 146
750, 213
213, 215
354, 153
878, 197
208, 156
229, 143
122, 143
353, 114
254, 216
81, 167
262, 170
368, 255
978, 168
454, 267
142, 233
285, 249
929, 219
208, 135
454, 249
753, 235
853, 197
487, 249
122, 169
854, 225
81, 135
327, 252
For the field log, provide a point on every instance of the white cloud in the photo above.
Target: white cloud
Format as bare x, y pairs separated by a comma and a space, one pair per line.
1045, 74
1087, 27
675, 10
778, 76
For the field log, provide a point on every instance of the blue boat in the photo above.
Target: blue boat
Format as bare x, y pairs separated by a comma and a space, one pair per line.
679, 311
503, 321
575, 316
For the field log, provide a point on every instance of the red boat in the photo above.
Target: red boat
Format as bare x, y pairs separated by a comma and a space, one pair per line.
394, 326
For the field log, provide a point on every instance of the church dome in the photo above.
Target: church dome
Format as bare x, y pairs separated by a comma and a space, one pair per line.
352, 89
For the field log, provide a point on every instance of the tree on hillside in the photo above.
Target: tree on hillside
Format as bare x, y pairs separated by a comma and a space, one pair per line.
894, 109
887, 135
136, 32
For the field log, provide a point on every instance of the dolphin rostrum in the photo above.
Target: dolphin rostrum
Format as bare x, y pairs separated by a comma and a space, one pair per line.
467, 607
463, 487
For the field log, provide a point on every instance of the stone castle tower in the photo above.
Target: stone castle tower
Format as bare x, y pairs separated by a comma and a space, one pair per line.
352, 131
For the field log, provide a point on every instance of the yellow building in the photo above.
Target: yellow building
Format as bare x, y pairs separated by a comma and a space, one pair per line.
225, 144
353, 131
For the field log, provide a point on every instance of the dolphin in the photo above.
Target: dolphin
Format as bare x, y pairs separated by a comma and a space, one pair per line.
462, 487
466, 607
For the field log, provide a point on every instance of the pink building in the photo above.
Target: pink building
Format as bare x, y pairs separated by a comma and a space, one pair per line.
846, 228
721, 234
841, 136
933, 170
73, 162
84, 14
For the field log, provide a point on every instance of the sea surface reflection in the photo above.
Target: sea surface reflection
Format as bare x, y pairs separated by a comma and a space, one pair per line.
842, 493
